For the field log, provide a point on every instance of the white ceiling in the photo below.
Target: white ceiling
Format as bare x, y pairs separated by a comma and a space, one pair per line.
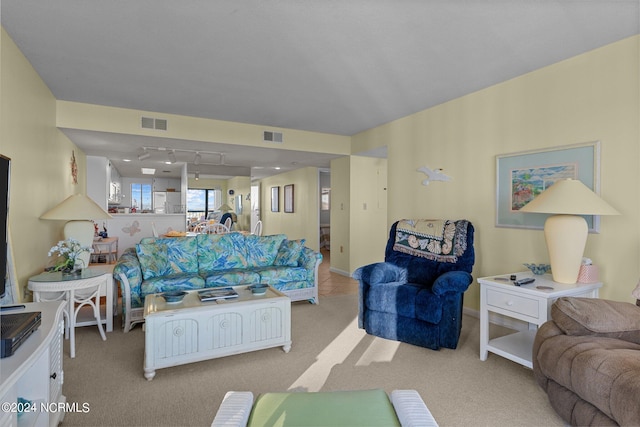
333, 66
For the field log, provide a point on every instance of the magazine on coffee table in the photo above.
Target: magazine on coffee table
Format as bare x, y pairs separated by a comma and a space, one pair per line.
212, 294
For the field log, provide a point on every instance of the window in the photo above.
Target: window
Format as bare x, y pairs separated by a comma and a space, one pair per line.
325, 199
141, 197
202, 201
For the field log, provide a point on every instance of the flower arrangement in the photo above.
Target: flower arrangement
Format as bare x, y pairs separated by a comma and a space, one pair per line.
68, 252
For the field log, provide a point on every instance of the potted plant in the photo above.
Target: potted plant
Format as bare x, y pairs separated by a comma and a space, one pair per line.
69, 261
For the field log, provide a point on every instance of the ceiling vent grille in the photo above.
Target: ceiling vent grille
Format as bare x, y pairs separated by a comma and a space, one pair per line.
270, 136
151, 123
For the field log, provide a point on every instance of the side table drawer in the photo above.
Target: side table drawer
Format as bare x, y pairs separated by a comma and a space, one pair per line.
517, 304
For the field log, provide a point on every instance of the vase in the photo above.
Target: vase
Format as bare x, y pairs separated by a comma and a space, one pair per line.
72, 272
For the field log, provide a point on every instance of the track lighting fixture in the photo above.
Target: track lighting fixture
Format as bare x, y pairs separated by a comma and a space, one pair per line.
197, 175
197, 159
144, 155
172, 156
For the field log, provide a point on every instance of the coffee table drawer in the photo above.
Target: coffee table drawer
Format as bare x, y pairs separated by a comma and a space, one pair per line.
514, 303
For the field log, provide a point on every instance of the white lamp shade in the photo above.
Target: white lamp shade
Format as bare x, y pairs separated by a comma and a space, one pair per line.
569, 196
225, 208
76, 207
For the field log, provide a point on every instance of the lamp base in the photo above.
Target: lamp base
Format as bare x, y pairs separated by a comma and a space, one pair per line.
83, 232
566, 237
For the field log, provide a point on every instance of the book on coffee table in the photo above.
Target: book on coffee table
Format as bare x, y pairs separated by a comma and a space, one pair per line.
212, 294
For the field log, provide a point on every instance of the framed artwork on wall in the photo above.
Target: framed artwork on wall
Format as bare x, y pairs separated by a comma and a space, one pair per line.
288, 198
522, 176
275, 199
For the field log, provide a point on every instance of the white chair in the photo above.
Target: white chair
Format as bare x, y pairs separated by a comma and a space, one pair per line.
216, 228
201, 227
153, 229
257, 230
78, 298
77, 294
228, 223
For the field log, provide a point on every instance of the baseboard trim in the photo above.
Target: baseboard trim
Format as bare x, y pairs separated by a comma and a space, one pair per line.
498, 319
340, 272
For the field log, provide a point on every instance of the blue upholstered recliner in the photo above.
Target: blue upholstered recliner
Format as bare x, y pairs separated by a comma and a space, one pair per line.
416, 295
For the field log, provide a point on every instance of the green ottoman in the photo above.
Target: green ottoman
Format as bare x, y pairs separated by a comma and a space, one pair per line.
368, 408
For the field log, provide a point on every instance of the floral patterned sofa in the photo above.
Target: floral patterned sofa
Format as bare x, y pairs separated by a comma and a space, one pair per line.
209, 260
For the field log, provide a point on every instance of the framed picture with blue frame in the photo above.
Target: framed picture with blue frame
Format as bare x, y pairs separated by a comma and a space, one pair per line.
522, 176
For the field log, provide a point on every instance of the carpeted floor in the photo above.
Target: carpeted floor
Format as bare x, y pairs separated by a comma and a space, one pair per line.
328, 353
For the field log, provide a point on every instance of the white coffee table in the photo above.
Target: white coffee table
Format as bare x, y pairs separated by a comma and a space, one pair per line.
191, 331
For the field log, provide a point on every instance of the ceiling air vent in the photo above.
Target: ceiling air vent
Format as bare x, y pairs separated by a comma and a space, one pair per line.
270, 136
151, 123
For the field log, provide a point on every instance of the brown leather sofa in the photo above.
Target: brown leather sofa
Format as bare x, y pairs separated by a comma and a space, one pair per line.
587, 359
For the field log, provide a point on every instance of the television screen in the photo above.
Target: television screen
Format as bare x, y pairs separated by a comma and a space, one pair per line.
4, 210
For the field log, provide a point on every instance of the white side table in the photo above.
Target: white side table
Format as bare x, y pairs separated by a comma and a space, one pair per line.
530, 303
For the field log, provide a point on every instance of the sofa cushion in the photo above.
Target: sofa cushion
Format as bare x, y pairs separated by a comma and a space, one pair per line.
603, 371
231, 277
182, 254
393, 297
174, 282
428, 306
262, 250
221, 252
154, 261
597, 317
289, 253
277, 275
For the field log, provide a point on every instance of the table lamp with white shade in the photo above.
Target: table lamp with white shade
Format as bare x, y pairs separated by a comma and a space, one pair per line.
79, 211
566, 231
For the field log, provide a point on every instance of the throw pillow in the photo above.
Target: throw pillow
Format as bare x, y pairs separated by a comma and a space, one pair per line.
289, 253
262, 250
153, 260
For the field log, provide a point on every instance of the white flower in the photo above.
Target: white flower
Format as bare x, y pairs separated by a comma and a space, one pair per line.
69, 252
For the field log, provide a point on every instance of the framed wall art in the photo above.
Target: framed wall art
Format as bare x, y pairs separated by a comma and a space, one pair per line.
288, 198
522, 176
275, 199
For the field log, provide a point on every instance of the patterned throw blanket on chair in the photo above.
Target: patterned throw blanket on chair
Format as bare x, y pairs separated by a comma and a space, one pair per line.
435, 239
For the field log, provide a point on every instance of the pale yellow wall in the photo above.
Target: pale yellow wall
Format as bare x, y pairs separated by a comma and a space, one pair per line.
304, 222
341, 215
594, 96
76, 115
368, 222
40, 161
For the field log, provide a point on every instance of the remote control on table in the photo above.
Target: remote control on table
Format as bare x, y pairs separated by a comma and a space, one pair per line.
11, 307
524, 281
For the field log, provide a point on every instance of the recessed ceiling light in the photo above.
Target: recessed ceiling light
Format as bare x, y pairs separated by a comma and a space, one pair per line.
148, 171
126, 160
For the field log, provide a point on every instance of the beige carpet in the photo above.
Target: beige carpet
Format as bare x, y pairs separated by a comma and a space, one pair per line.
328, 353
